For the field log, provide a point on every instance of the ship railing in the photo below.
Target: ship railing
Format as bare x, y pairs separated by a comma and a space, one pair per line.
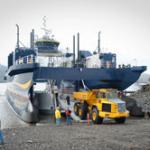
30, 59
124, 66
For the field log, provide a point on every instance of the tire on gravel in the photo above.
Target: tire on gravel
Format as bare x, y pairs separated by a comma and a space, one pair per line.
76, 108
95, 116
83, 110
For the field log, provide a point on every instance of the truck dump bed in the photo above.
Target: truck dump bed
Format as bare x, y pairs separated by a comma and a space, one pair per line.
83, 96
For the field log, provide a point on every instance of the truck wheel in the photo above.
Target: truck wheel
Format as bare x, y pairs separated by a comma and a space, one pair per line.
120, 120
95, 116
76, 109
83, 111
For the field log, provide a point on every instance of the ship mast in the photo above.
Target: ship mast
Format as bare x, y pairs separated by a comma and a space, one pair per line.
74, 55
78, 46
17, 35
32, 39
99, 42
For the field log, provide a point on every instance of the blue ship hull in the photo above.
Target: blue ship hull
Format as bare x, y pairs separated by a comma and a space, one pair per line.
118, 78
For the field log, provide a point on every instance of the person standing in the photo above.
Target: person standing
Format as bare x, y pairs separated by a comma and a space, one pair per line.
68, 117
1, 135
68, 100
57, 116
55, 91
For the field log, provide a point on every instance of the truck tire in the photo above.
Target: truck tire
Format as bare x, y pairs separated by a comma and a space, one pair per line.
95, 116
148, 114
83, 110
76, 108
120, 120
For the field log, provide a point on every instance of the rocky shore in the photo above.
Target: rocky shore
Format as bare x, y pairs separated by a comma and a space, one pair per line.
138, 103
133, 135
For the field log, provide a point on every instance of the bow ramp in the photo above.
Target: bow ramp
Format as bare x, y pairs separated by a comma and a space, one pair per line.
64, 106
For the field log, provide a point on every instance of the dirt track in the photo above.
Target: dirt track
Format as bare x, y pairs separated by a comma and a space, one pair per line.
135, 134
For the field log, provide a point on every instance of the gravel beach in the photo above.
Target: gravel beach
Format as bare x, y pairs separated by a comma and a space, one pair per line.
133, 135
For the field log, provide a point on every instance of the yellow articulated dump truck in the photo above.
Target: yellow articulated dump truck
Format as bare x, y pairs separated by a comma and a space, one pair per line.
100, 104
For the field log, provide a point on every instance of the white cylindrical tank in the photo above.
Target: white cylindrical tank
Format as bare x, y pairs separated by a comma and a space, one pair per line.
93, 61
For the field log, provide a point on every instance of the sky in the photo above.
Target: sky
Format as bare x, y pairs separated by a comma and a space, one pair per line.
124, 25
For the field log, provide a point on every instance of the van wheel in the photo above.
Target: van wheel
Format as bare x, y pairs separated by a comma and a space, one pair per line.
120, 120
95, 116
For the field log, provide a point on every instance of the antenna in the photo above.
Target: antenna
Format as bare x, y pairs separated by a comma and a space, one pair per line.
44, 21
47, 32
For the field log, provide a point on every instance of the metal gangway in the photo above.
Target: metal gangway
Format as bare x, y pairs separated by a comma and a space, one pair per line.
65, 106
